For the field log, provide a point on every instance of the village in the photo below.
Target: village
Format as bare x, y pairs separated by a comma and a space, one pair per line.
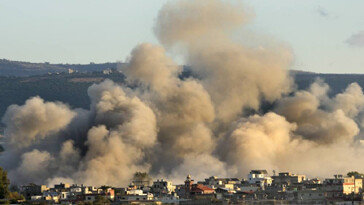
258, 188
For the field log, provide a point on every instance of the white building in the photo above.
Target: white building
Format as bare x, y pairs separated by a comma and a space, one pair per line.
260, 177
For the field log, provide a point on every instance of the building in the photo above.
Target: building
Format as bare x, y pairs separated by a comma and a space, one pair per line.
188, 186
107, 71
32, 190
310, 195
61, 186
215, 182
358, 186
135, 197
247, 188
70, 71
340, 186
288, 178
64, 195
191, 189
162, 187
200, 189
349, 185
260, 177
51, 196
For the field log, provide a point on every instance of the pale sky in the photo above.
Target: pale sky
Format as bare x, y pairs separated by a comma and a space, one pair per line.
325, 35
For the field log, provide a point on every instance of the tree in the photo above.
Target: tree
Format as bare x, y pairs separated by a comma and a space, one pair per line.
6, 195
14, 197
4, 184
355, 174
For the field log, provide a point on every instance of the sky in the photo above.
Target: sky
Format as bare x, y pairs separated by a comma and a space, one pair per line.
326, 36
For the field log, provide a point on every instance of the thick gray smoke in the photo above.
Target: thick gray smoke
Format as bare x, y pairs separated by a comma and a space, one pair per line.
171, 127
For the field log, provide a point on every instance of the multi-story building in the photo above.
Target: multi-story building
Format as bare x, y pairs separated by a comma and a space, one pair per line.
340, 186
358, 186
162, 187
32, 190
260, 177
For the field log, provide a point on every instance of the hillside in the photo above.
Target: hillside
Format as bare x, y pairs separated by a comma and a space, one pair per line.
72, 88
23, 69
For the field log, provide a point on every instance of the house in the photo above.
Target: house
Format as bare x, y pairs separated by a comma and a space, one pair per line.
31, 189
247, 188
51, 196
75, 191
340, 186
260, 177
214, 181
191, 189
64, 195
162, 187
233, 181
288, 178
188, 187
135, 197
61, 186
200, 189
91, 190
349, 185
107, 71
36, 197
358, 186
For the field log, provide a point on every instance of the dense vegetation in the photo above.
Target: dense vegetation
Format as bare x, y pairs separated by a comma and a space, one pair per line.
355, 174
6, 195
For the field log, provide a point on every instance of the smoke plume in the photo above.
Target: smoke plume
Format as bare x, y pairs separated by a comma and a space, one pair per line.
237, 76
35, 120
